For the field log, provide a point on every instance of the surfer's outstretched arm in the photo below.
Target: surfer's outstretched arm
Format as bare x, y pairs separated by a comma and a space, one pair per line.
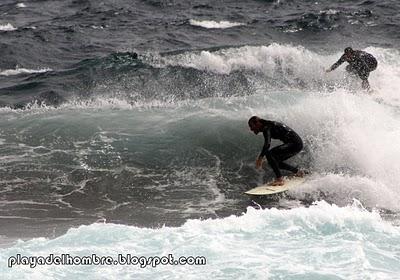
337, 63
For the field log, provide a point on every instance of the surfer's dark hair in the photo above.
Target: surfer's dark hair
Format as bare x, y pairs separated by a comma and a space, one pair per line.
253, 119
348, 50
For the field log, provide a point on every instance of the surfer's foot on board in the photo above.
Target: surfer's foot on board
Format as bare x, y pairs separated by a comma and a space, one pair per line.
278, 182
300, 173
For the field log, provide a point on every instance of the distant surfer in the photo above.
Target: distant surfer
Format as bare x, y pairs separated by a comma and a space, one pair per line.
292, 145
360, 63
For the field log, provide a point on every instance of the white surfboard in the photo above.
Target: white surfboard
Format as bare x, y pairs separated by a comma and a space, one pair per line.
267, 189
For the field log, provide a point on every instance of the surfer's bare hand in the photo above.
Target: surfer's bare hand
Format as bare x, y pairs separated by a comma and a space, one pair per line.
328, 70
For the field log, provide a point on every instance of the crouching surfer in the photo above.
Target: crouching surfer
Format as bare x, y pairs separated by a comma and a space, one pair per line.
292, 145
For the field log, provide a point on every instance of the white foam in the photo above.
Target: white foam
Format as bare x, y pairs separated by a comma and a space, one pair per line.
7, 27
21, 5
350, 129
386, 78
329, 12
278, 62
342, 189
210, 24
18, 71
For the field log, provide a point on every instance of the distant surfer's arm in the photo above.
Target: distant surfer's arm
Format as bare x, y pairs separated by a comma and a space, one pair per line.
337, 63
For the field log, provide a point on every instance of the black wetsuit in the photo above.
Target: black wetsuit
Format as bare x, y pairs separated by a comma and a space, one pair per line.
360, 63
292, 144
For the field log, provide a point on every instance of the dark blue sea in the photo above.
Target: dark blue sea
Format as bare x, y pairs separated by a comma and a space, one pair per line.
123, 130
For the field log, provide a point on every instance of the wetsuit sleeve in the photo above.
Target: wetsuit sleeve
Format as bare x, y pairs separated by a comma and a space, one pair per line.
267, 141
337, 63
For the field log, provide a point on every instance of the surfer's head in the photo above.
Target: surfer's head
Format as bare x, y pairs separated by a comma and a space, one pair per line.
348, 52
255, 124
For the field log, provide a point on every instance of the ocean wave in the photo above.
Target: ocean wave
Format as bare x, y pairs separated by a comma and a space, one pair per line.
262, 58
289, 67
347, 242
327, 122
210, 24
154, 78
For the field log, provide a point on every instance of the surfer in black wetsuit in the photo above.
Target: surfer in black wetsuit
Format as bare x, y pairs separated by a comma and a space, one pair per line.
360, 63
292, 144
